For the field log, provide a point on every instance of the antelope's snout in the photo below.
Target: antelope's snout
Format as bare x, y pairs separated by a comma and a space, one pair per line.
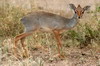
80, 14
79, 17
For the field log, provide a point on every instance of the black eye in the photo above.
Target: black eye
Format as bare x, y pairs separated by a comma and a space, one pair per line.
75, 12
82, 12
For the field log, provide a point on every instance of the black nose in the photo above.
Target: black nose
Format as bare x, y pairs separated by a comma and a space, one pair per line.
79, 17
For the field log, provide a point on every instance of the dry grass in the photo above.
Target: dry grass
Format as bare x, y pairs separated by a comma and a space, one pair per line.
74, 56
85, 35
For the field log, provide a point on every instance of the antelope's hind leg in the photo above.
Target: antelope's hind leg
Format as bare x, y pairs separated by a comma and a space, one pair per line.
25, 53
22, 38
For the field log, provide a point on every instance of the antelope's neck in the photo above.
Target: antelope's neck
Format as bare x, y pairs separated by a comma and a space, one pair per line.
72, 22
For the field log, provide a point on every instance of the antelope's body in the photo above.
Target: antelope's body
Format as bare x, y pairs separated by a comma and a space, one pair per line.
45, 21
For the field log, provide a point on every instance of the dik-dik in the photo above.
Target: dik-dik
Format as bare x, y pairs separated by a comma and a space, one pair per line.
49, 22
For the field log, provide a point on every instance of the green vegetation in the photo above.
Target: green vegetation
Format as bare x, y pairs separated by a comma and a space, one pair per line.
98, 8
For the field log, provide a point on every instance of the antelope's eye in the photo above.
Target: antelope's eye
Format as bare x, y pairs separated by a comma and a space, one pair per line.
75, 12
82, 12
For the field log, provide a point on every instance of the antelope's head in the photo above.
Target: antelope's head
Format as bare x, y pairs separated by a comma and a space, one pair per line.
79, 10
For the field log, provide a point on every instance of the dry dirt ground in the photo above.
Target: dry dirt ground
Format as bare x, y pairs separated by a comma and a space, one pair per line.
74, 56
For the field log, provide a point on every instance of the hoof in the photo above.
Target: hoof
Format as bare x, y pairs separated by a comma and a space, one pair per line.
59, 56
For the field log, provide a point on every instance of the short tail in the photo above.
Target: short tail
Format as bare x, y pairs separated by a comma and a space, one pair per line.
23, 20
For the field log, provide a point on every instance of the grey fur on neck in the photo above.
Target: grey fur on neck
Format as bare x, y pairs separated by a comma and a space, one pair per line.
75, 16
72, 22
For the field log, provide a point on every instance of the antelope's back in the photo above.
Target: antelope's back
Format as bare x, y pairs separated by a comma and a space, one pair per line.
44, 20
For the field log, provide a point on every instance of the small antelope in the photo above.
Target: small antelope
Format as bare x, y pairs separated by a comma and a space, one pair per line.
45, 21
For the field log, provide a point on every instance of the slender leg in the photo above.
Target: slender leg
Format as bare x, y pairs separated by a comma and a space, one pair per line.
59, 44
22, 37
25, 49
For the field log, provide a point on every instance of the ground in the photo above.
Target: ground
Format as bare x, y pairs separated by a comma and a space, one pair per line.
74, 56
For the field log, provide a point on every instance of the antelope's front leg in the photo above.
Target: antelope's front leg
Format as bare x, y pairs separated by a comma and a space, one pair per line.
59, 44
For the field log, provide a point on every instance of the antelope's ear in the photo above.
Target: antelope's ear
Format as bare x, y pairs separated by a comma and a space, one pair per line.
86, 8
72, 6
